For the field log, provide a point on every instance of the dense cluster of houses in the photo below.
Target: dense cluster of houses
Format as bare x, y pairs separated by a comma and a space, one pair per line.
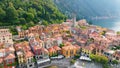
66, 39
42, 43
7, 50
97, 40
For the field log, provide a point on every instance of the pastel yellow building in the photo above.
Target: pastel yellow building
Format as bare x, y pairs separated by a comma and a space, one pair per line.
87, 50
70, 50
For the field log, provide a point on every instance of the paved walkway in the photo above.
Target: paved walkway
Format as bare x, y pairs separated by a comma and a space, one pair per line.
62, 63
85, 64
65, 63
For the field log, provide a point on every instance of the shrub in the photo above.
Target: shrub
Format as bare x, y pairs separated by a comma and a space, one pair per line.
114, 62
105, 66
77, 56
61, 45
72, 61
99, 59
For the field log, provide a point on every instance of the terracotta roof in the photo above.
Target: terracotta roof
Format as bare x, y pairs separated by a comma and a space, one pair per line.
68, 47
92, 45
77, 46
27, 47
56, 47
89, 48
31, 34
22, 46
1, 44
67, 43
45, 50
10, 49
18, 46
28, 54
25, 43
10, 56
82, 41
2, 50
51, 49
1, 60
36, 47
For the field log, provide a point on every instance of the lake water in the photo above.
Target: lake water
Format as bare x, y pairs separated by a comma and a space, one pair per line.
113, 24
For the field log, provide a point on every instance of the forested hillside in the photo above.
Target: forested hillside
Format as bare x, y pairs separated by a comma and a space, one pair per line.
29, 12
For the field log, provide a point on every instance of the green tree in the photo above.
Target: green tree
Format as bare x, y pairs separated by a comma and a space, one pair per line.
72, 61
22, 20
26, 11
2, 14
61, 45
99, 58
44, 23
106, 66
29, 17
12, 15
114, 62
33, 11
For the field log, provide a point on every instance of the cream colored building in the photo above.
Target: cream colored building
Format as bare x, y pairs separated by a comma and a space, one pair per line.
5, 36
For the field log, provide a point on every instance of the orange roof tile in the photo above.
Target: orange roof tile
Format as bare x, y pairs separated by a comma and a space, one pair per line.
45, 50
10, 56
56, 47
10, 49
68, 47
1, 44
78, 47
2, 50
18, 46
36, 47
28, 54
27, 47
89, 48
51, 49
1, 60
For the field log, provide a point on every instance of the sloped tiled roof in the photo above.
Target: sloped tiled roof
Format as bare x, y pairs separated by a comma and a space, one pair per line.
10, 56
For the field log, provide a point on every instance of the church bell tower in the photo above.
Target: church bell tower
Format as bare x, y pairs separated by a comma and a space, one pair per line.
74, 20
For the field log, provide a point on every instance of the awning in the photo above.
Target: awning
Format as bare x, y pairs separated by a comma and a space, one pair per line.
43, 61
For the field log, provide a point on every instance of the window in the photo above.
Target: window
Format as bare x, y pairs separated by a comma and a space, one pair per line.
71, 52
10, 38
3, 38
28, 60
117, 58
30, 65
66, 52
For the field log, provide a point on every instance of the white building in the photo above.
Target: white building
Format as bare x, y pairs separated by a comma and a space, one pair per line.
5, 36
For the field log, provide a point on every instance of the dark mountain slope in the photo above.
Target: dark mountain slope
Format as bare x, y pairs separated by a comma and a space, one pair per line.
89, 8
